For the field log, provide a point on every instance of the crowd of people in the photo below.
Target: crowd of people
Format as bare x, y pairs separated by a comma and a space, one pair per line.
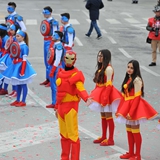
67, 81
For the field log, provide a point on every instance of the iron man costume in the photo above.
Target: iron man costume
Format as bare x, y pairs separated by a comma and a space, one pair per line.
70, 89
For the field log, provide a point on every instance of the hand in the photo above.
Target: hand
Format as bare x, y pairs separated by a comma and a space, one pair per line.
128, 117
21, 75
51, 74
89, 101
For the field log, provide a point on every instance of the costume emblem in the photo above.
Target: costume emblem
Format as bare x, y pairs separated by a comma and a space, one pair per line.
50, 56
45, 28
8, 43
15, 50
9, 23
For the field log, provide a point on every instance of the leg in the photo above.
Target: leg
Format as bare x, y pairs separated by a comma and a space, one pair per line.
90, 29
130, 143
154, 44
94, 23
45, 50
138, 141
110, 122
104, 129
25, 92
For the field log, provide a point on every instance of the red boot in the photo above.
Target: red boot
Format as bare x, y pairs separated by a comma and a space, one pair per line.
135, 158
75, 150
50, 106
48, 84
14, 103
3, 92
45, 82
20, 104
104, 131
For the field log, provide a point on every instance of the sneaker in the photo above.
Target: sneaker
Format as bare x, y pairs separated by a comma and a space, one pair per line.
99, 36
87, 35
152, 64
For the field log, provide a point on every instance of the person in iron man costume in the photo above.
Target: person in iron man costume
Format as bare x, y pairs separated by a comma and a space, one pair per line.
70, 89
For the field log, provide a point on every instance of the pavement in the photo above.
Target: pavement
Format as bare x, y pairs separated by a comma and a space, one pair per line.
31, 132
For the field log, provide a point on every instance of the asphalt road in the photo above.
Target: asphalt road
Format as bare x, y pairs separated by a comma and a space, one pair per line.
31, 133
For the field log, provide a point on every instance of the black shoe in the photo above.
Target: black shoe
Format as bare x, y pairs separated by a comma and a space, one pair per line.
152, 64
133, 2
87, 35
99, 36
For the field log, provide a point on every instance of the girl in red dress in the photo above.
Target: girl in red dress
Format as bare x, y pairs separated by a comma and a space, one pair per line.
133, 109
105, 97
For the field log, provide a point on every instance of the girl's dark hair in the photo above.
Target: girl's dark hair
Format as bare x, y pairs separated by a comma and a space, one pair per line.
101, 67
3, 32
136, 73
12, 4
48, 8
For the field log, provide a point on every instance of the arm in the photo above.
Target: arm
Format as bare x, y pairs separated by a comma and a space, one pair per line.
137, 95
149, 28
23, 66
56, 62
109, 73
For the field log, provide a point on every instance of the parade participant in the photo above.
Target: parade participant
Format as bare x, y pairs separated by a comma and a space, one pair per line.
13, 17
153, 27
47, 28
133, 109
94, 6
20, 72
68, 31
3, 38
55, 63
105, 96
70, 89
12, 32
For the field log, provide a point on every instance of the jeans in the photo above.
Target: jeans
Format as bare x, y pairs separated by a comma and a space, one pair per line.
94, 25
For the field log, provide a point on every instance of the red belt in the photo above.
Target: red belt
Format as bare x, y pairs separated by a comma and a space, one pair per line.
48, 38
17, 60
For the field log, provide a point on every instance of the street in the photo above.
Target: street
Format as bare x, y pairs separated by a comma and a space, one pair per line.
31, 132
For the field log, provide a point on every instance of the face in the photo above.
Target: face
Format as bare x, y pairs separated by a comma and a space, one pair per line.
100, 57
46, 16
12, 32
157, 14
19, 38
130, 69
70, 59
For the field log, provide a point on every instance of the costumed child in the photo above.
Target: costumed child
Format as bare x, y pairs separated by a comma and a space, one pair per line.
20, 72
6, 60
55, 58
47, 28
3, 38
105, 97
133, 109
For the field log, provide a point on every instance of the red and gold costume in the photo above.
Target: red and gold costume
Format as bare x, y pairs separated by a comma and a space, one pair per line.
134, 105
70, 89
132, 111
105, 96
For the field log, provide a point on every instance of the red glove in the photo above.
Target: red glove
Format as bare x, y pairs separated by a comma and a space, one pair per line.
23, 68
52, 71
67, 48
